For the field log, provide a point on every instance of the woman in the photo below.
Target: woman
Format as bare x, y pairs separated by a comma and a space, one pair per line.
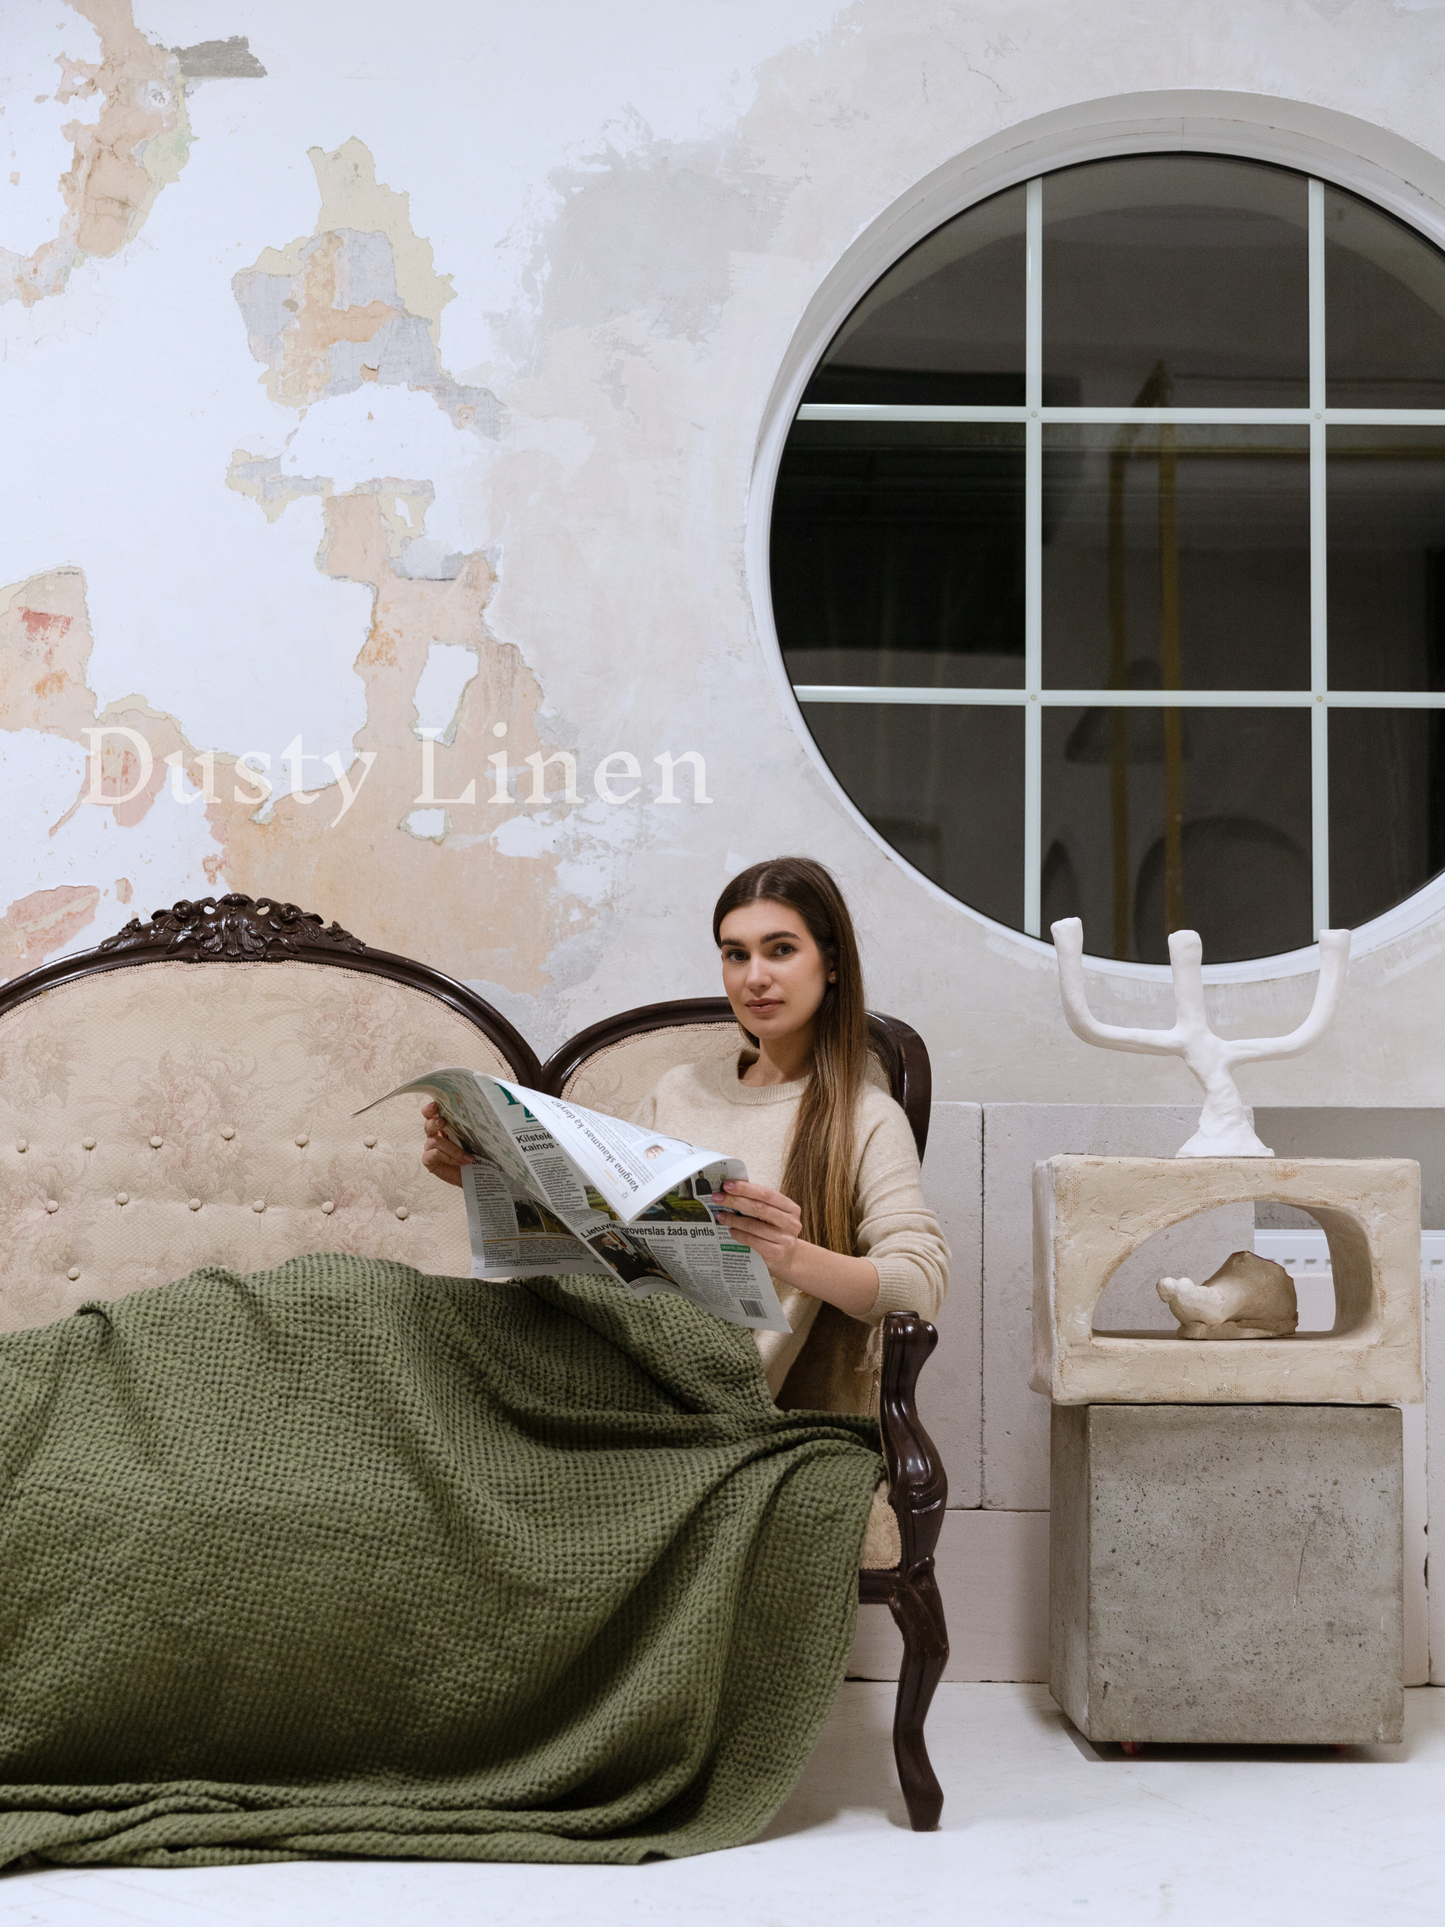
833, 1203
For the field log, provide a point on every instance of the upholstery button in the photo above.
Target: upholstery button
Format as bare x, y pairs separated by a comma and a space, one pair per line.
302, 1141
402, 1212
195, 1204
328, 1207
369, 1142
156, 1143
87, 1144
228, 1133
259, 1205
73, 1273
51, 1204
122, 1197
23, 1143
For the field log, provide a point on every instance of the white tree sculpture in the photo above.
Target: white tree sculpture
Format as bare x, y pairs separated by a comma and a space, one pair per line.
1226, 1128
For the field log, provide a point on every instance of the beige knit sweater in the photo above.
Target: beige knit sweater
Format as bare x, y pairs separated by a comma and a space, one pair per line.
826, 1361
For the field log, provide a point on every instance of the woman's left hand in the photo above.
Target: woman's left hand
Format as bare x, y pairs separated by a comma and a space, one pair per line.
764, 1219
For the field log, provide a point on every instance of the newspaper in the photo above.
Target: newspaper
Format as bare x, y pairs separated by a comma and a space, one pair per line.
558, 1189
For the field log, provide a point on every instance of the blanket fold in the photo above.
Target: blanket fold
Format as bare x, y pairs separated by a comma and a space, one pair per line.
341, 1558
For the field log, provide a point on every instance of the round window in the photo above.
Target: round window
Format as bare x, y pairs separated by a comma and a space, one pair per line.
1108, 556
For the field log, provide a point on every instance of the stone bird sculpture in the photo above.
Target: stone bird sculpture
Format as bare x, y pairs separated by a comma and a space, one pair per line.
1248, 1297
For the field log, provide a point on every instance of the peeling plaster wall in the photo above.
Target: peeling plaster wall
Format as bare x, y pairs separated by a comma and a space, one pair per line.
349, 359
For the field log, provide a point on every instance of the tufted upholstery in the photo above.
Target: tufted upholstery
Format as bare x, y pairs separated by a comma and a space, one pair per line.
217, 1099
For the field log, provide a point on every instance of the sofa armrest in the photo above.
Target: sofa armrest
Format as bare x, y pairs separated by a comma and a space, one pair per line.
917, 1484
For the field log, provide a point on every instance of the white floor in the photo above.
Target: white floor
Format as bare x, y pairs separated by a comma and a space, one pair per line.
1037, 1827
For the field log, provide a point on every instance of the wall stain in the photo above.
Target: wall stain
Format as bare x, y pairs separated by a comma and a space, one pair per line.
649, 233
360, 301
44, 650
136, 148
457, 902
357, 301
35, 927
230, 59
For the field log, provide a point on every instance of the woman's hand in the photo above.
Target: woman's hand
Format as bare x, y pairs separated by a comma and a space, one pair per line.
771, 1224
767, 1221
441, 1154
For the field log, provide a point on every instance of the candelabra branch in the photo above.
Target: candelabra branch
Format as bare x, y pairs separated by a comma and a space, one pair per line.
1226, 1124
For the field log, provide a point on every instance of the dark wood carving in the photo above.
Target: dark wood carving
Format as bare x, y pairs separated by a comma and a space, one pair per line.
917, 1483
918, 1493
232, 927
238, 929
904, 1057
898, 1047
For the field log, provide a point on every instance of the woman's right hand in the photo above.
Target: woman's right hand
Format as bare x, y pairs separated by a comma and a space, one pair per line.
441, 1154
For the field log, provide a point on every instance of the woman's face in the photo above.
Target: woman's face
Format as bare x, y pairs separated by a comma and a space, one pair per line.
774, 973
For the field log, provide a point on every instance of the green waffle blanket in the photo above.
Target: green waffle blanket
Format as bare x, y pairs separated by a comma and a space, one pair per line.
344, 1559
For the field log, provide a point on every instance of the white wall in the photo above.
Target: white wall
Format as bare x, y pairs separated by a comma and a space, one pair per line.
550, 271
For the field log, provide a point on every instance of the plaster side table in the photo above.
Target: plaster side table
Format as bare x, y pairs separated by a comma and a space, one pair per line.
1090, 1214
1226, 1533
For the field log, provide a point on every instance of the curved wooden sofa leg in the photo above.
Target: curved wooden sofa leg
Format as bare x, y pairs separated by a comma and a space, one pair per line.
918, 1492
918, 1613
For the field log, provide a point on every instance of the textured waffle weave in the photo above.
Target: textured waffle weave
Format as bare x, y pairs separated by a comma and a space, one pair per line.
343, 1559
216, 1099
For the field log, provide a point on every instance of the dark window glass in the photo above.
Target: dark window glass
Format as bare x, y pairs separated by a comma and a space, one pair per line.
1387, 558
1384, 310
1165, 819
1178, 280
941, 785
898, 554
1170, 556
945, 325
1387, 808
1176, 558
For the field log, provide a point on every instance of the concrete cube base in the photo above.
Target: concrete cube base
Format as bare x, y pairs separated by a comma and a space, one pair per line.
1228, 1574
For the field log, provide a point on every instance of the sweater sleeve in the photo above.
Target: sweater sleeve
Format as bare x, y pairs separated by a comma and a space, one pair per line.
896, 1229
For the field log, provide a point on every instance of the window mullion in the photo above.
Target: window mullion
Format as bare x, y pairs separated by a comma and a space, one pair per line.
1319, 571
1033, 552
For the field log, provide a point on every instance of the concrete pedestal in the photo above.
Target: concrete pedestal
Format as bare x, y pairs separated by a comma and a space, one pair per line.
1228, 1574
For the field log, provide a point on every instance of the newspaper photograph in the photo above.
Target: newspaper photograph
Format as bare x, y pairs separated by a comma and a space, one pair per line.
558, 1189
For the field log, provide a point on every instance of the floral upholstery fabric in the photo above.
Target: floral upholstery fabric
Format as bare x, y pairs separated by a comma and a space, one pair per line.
882, 1542
616, 1078
216, 1099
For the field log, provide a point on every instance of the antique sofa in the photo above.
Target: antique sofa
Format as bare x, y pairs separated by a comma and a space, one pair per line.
185, 1094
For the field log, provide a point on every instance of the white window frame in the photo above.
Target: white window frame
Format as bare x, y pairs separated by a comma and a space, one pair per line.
1373, 176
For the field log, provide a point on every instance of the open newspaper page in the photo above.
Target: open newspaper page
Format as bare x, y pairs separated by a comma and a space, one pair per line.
558, 1189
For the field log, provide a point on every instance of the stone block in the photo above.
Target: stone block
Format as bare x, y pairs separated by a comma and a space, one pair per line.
951, 1389
1435, 1466
1228, 1574
1091, 1213
1016, 1137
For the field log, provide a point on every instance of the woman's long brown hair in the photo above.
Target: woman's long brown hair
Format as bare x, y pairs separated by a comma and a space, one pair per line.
818, 1176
